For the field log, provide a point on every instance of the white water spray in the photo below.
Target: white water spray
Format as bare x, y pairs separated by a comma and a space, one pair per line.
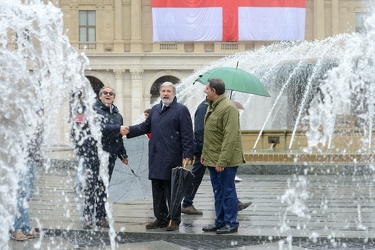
40, 70
311, 84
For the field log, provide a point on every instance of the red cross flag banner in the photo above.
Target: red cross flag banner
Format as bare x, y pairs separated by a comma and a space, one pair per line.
228, 20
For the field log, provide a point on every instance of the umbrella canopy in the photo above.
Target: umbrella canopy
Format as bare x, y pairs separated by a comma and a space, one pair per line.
181, 180
236, 79
130, 182
238, 105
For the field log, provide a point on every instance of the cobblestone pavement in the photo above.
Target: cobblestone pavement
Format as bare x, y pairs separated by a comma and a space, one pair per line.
288, 212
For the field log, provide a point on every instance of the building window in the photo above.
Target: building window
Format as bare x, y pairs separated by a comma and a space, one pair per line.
87, 29
360, 18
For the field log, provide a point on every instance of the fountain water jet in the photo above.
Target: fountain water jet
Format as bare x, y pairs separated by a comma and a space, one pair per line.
315, 87
34, 31
40, 70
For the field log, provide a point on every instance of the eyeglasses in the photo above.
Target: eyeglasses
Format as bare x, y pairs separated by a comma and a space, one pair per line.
108, 93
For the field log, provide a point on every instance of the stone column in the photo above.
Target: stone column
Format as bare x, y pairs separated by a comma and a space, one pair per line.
335, 17
319, 23
119, 100
118, 43
146, 100
137, 94
136, 25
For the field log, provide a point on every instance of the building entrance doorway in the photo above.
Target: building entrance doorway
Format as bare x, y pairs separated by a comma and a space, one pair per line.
156, 86
96, 84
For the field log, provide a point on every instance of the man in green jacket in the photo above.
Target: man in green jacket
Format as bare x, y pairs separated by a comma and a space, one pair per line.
222, 154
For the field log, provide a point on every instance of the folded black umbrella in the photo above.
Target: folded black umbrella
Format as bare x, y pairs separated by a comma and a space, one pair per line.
182, 179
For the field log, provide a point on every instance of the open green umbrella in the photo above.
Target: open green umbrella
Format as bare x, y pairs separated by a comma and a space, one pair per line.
236, 79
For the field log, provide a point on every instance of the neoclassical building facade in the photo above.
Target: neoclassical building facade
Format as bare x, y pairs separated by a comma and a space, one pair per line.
116, 36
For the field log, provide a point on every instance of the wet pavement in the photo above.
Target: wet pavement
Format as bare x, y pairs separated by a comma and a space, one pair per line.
289, 211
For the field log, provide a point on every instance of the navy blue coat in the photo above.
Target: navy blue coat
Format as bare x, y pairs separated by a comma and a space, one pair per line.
110, 126
199, 115
171, 138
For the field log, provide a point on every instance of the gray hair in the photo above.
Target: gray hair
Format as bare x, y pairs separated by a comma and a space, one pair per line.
106, 87
167, 84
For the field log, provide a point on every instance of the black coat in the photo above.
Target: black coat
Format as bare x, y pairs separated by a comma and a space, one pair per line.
111, 122
171, 138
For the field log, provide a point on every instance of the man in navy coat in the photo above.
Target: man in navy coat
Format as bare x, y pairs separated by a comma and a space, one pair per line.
170, 145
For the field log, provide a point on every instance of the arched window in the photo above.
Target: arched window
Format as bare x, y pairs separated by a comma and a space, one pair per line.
96, 84
154, 91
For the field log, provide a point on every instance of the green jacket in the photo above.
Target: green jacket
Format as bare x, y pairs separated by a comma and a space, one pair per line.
222, 143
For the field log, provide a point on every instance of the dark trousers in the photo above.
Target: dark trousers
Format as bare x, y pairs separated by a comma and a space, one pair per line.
198, 171
161, 196
226, 203
95, 192
111, 166
95, 195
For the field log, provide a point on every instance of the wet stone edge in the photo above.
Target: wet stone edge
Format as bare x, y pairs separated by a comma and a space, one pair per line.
270, 169
97, 238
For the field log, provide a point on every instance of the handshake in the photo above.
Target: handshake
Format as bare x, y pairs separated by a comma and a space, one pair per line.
124, 130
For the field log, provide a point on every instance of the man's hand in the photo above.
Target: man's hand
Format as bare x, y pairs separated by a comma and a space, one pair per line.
219, 169
188, 161
124, 130
125, 161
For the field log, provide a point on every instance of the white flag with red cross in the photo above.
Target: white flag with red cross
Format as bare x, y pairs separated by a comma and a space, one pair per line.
228, 20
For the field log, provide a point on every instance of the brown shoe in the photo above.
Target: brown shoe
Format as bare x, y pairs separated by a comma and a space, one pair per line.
19, 236
156, 224
87, 224
102, 223
32, 234
243, 205
172, 227
191, 210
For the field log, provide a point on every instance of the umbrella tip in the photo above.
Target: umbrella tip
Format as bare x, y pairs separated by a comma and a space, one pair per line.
196, 80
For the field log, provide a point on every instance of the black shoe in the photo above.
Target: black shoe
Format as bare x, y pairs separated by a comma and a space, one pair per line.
212, 228
227, 230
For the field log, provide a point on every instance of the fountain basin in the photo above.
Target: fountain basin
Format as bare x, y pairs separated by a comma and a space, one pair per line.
273, 147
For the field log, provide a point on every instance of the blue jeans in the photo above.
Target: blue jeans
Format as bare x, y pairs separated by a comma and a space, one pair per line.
226, 203
198, 171
25, 192
80, 175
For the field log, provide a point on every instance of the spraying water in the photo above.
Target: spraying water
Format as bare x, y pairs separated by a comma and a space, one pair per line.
40, 70
312, 84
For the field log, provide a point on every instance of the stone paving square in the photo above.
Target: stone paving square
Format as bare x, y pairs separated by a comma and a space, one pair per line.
302, 211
